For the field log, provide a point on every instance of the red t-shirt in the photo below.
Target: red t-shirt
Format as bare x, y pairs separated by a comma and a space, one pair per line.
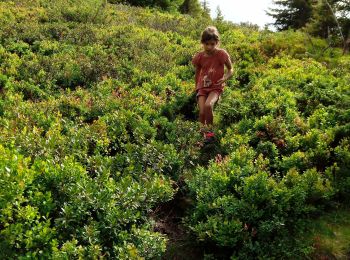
211, 68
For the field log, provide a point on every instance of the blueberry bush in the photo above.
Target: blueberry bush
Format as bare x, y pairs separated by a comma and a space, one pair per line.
99, 129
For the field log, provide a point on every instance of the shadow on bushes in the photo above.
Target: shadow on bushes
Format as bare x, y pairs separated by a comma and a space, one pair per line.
181, 104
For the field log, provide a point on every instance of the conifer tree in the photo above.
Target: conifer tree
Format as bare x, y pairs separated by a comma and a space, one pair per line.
191, 7
168, 5
342, 9
219, 16
205, 6
322, 22
331, 19
344, 19
291, 13
205, 9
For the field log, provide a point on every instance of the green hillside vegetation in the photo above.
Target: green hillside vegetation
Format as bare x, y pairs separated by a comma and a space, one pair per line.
99, 137
330, 235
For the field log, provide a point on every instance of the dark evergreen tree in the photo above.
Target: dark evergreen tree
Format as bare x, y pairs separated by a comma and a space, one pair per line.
206, 9
205, 6
191, 7
343, 10
323, 23
331, 18
219, 16
168, 5
291, 13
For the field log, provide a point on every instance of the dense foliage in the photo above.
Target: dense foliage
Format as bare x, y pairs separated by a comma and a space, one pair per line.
322, 18
98, 126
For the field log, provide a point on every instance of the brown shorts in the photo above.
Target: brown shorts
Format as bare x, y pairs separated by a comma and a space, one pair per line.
205, 92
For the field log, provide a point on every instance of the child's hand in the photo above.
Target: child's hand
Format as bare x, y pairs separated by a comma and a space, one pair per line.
220, 81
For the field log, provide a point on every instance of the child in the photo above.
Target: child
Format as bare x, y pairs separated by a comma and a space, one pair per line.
210, 77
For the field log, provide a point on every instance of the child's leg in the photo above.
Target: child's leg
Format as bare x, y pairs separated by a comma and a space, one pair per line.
208, 106
201, 101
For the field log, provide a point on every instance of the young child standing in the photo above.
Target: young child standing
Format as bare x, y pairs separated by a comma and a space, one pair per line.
209, 77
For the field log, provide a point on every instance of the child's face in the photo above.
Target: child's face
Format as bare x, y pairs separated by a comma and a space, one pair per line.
210, 45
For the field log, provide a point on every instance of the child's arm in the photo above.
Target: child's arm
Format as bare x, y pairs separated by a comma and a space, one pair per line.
196, 63
229, 72
198, 70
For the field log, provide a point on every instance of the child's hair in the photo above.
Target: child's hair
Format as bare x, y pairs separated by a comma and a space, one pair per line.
210, 33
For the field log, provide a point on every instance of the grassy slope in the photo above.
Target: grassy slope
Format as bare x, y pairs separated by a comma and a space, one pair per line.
331, 235
181, 33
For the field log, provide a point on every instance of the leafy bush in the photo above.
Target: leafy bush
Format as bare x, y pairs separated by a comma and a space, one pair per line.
99, 129
57, 210
238, 206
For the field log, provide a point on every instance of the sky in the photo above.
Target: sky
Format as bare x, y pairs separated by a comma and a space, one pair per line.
243, 10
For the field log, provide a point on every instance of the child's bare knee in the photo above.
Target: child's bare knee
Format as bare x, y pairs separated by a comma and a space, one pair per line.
208, 106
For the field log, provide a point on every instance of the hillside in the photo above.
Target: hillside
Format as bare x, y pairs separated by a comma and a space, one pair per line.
101, 155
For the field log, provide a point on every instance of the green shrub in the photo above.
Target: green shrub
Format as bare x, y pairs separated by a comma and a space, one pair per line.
99, 129
84, 211
238, 206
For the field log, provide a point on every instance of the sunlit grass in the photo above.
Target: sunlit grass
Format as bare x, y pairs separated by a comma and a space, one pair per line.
331, 235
